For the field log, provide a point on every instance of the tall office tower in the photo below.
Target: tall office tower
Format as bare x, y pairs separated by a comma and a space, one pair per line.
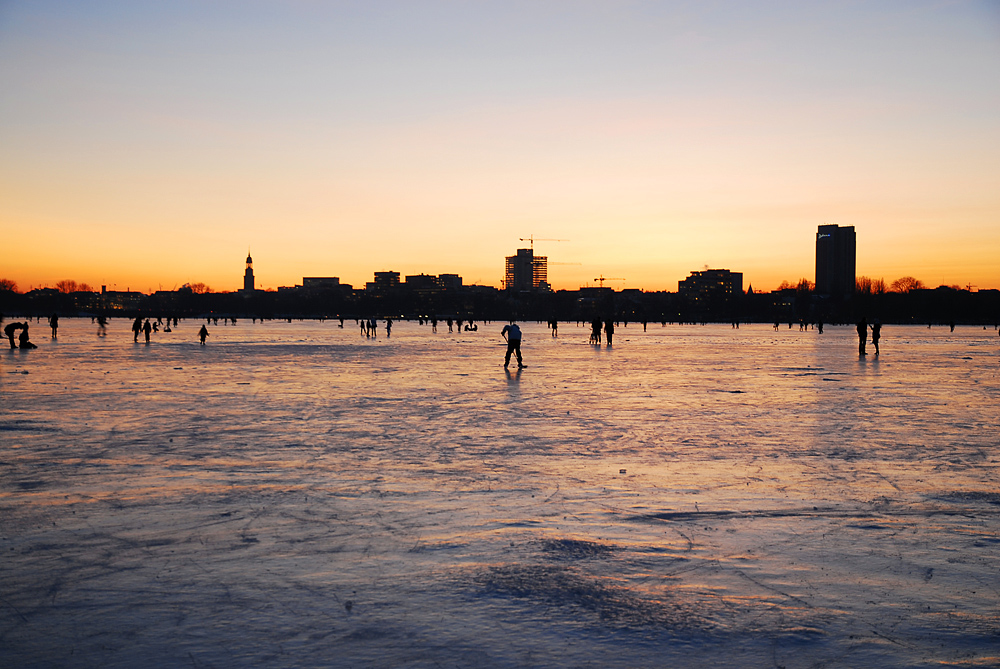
836, 250
248, 275
525, 271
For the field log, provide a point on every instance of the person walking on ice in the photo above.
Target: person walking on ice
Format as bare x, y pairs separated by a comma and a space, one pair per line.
512, 334
202, 333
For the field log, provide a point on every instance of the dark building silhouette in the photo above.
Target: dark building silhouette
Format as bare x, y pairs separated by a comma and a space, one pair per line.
421, 282
711, 286
449, 281
318, 282
526, 271
248, 275
836, 251
385, 282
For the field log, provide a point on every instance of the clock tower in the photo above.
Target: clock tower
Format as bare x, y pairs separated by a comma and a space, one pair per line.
248, 275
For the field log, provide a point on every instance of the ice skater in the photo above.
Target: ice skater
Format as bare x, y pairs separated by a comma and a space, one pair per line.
595, 331
136, 328
609, 329
876, 334
202, 334
54, 324
146, 329
862, 336
512, 334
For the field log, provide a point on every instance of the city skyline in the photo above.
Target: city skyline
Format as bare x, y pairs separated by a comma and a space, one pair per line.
147, 146
247, 281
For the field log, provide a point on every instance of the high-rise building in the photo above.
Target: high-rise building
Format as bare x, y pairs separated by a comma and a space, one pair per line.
525, 271
836, 251
248, 275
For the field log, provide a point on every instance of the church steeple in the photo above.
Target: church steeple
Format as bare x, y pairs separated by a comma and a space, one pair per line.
248, 275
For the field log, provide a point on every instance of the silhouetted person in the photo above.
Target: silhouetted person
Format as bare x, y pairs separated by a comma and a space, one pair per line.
23, 338
609, 330
10, 329
102, 326
862, 336
876, 334
819, 325
952, 326
555, 328
449, 324
136, 328
512, 334
388, 327
595, 331
434, 325
202, 333
54, 324
146, 329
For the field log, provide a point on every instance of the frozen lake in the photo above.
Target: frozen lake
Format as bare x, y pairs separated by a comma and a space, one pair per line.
294, 494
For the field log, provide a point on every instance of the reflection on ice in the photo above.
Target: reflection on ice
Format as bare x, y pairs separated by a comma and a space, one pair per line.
294, 494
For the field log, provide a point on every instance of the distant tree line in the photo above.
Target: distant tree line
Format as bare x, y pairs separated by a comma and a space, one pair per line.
905, 300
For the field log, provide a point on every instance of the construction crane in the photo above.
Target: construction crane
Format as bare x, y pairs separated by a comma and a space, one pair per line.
601, 279
532, 240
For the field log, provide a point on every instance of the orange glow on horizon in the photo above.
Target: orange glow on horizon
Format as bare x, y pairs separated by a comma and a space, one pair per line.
675, 141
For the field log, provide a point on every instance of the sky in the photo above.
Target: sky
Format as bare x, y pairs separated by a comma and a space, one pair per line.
146, 145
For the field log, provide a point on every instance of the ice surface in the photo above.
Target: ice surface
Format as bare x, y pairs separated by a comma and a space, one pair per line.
294, 494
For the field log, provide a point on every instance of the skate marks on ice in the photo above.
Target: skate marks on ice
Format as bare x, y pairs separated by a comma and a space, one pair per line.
589, 583
285, 504
840, 572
